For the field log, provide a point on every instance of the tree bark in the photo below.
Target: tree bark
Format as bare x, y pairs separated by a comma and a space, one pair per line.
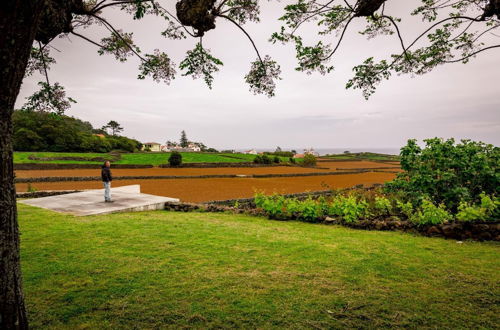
18, 25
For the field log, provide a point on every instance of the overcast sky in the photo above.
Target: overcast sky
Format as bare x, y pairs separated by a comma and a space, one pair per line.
461, 101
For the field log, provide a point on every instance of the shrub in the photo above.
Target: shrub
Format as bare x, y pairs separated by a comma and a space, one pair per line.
292, 160
382, 205
307, 210
257, 159
349, 208
448, 173
405, 208
276, 160
266, 159
309, 160
430, 214
486, 210
175, 159
273, 205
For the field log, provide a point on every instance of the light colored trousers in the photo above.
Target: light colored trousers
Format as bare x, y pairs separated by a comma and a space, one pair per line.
107, 191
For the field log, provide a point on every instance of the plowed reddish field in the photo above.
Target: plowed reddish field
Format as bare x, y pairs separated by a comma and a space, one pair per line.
199, 190
324, 167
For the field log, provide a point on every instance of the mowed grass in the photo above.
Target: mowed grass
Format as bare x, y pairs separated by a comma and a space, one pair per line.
205, 270
21, 157
154, 158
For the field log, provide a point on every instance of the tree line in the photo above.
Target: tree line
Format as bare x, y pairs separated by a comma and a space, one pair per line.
46, 131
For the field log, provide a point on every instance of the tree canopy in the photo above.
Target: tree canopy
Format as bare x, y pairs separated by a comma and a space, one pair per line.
451, 31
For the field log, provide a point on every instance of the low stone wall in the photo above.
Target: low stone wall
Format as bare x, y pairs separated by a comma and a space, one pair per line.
480, 231
38, 194
215, 165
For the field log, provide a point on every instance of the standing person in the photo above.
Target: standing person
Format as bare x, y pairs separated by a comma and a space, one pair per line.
106, 180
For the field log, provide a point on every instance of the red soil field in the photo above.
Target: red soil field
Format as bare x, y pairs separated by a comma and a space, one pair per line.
200, 190
355, 164
203, 171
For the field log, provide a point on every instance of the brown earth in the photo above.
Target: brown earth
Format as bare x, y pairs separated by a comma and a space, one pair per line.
355, 164
200, 190
324, 167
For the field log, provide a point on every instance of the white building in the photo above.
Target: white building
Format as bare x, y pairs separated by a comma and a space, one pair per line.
152, 146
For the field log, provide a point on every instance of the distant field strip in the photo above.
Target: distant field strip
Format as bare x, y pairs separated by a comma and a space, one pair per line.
329, 167
199, 190
132, 158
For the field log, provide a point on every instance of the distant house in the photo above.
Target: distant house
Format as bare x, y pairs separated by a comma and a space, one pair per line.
298, 156
102, 136
251, 152
153, 146
311, 151
192, 147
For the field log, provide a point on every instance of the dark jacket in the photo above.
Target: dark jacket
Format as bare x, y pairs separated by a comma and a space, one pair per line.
106, 174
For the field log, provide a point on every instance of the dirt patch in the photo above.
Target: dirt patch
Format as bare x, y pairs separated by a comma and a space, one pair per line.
346, 165
199, 190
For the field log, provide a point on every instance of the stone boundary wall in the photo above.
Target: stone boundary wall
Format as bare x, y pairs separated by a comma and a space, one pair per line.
44, 193
221, 164
211, 176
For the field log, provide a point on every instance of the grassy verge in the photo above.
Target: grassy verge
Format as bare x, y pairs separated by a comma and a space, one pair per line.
135, 158
203, 270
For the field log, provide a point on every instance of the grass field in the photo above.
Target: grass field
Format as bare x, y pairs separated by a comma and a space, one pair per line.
135, 158
204, 270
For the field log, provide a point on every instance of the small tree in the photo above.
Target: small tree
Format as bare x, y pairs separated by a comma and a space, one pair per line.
309, 160
448, 173
266, 159
184, 140
114, 126
175, 159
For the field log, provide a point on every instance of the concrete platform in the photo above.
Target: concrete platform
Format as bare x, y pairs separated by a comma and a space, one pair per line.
91, 202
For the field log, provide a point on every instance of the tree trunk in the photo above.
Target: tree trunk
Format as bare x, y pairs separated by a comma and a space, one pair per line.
18, 24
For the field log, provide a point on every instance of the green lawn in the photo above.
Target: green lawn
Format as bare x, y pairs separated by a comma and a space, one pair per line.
205, 270
135, 158
21, 157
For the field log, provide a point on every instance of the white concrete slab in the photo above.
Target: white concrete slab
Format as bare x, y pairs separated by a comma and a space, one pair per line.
91, 202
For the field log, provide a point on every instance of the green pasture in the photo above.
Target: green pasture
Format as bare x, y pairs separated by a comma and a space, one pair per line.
205, 270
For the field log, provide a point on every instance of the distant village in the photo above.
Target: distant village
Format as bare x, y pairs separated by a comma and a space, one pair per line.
187, 146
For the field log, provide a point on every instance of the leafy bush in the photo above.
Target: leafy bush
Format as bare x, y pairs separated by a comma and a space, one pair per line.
262, 159
276, 160
292, 160
448, 173
405, 208
349, 208
175, 158
307, 210
273, 205
309, 160
488, 209
266, 159
430, 214
382, 206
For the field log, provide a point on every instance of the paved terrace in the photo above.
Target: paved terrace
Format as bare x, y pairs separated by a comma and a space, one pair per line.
91, 202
